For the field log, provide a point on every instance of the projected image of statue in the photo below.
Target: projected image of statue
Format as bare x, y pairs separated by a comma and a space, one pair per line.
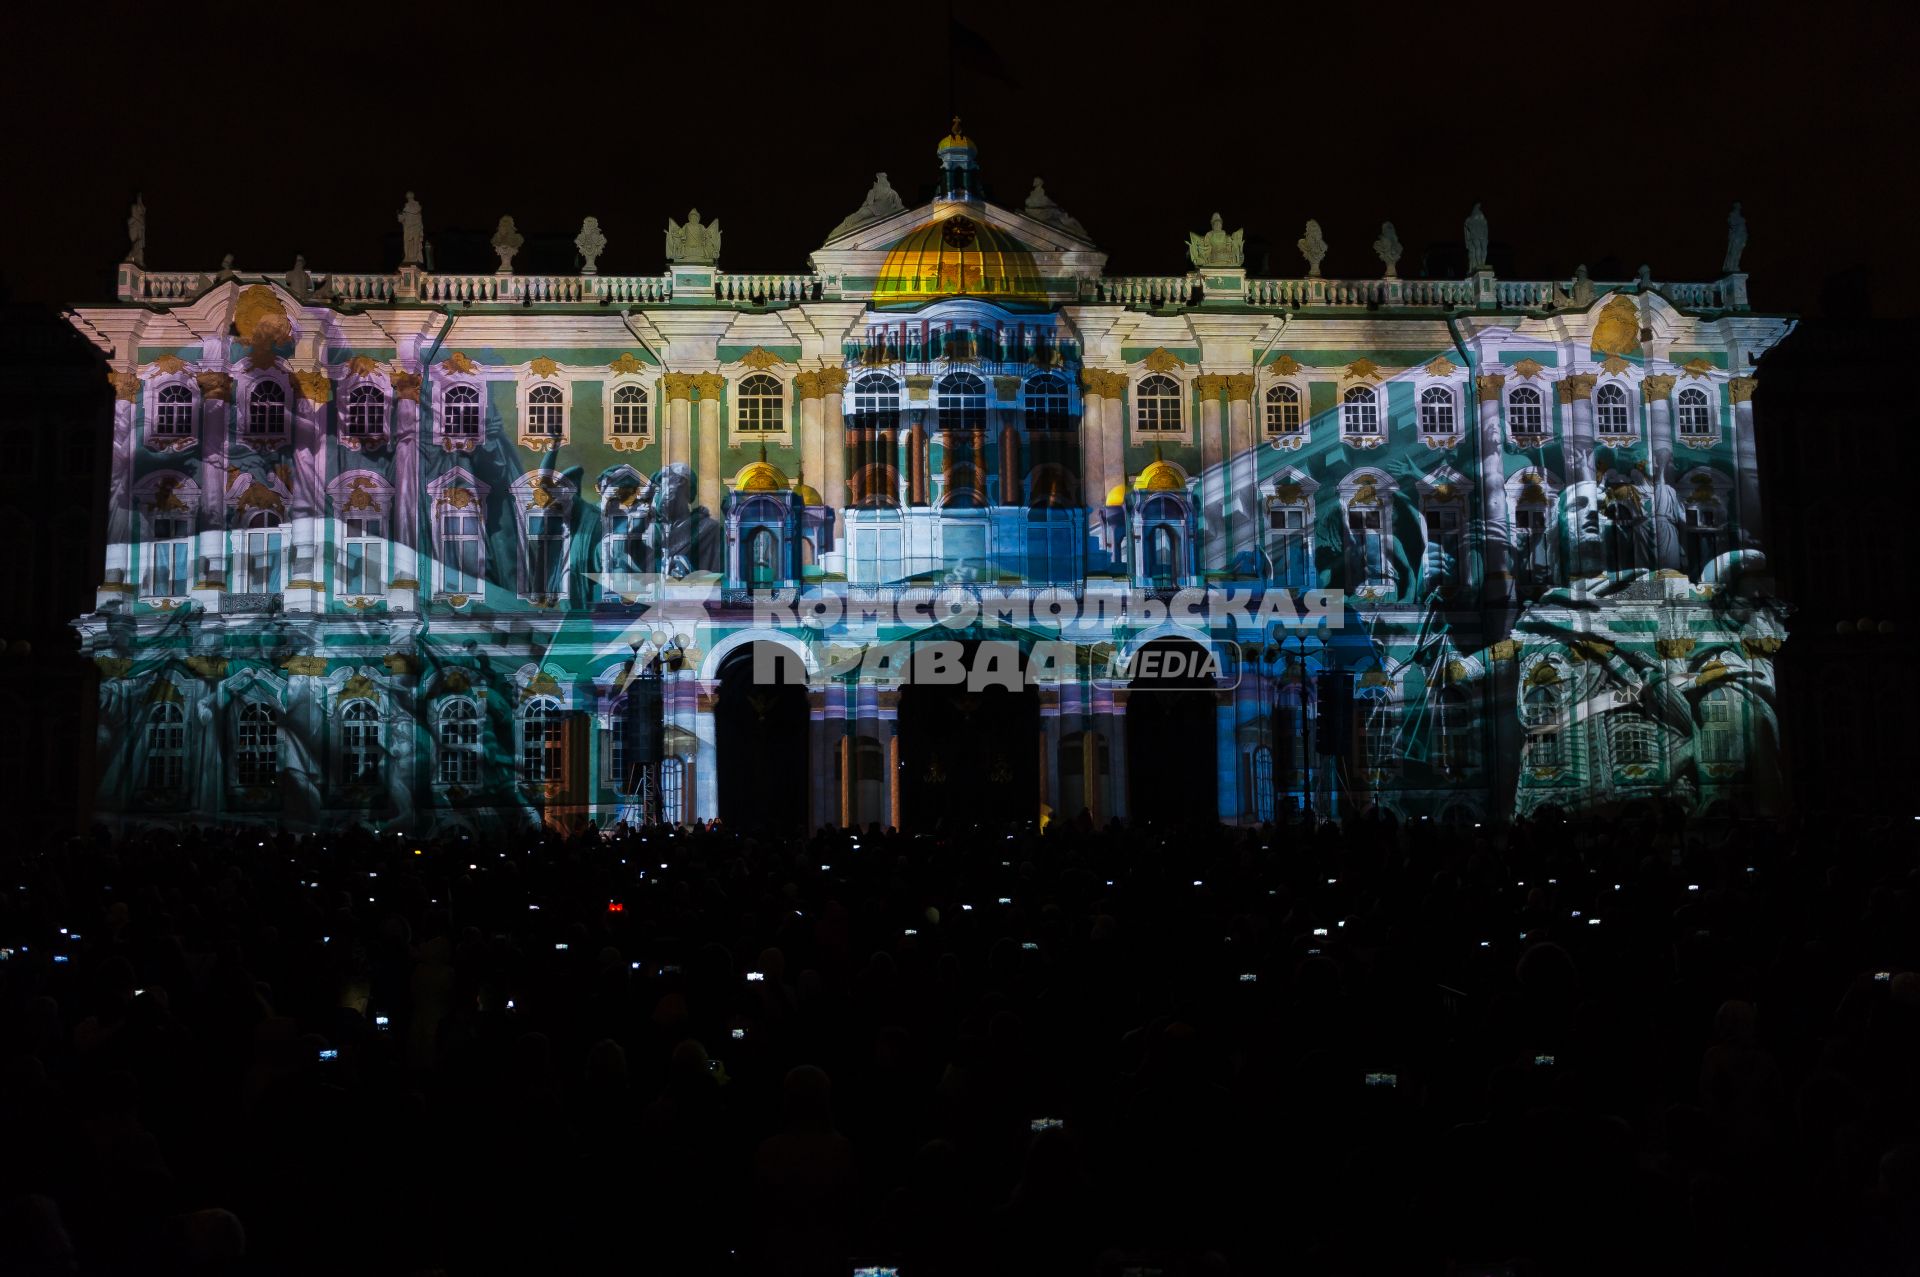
685, 536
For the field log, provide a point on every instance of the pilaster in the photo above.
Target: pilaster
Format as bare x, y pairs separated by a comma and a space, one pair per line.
1213, 477
1752, 529
710, 385
677, 447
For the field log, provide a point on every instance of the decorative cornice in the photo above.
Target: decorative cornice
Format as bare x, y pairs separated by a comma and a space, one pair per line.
1100, 382
919, 386
1658, 385
542, 366
760, 359
710, 385
1160, 359
1613, 365
626, 365
679, 385
1674, 649
1488, 385
359, 687
314, 386
1240, 387
1742, 388
215, 385
1006, 389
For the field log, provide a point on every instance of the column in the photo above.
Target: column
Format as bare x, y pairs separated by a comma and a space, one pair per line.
707, 473
306, 572
706, 768
117, 585
1493, 488
677, 447
1213, 478
1226, 757
1750, 534
1576, 392
210, 574
1243, 527
1657, 389
809, 443
833, 444
405, 568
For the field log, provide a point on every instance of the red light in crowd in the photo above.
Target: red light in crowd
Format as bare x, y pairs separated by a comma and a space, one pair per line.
614, 906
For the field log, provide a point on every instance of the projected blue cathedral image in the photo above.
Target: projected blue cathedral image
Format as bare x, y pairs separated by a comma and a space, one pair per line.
433, 551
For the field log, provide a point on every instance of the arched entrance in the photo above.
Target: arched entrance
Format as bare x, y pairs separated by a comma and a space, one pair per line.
760, 740
968, 757
1172, 754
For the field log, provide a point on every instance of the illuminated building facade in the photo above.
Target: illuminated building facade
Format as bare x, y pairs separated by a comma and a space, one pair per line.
394, 547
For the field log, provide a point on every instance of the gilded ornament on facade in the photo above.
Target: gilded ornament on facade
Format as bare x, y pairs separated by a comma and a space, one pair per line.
1713, 671
919, 386
210, 667
760, 359
1365, 493
1580, 384
626, 365
1440, 368
256, 305
259, 496
362, 604
1488, 385
215, 385
361, 495
1376, 678
541, 684
1674, 649
1589, 649
1528, 367
1363, 370
1763, 646
1614, 365
1657, 385
314, 386
709, 385
1006, 389
833, 380
454, 681
458, 498
678, 385
1160, 359
1742, 388
1456, 672
544, 493
806, 383
1211, 385
1240, 387
1505, 650
542, 366
166, 500
1697, 367
113, 666
1287, 493
126, 385
458, 363
163, 690
1617, 330
358, 687
401, 663
1285, 366
167, 365
406, 385
363, 366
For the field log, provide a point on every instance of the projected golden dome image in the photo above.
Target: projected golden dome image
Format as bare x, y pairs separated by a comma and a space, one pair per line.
956, 255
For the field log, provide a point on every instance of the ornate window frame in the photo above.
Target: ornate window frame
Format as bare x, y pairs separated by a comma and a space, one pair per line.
1447, 489
1182, 377
170, 495
1454, 386
632, 441
457, 491
1294, 490
1615, 439
360, 711
181, 378
553, 707
245, 752
358, 495
1349, 385
245, 386
547, 495
1071, 409
1370, 488
736, 376
467, 709
539, 374
1544, 675
1379, 700
1539, 397
444, 384
1709, 390
362, 373
1271, 379
1517, 485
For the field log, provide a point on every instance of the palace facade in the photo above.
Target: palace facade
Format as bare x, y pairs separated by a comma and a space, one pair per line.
429, 550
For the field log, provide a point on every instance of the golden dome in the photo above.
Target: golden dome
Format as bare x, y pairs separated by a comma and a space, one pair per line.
1117, 494
808, 495
957, 255
955, 139
1161, 476
760, 476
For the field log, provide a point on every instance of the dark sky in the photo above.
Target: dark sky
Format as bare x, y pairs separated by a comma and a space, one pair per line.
1605, 134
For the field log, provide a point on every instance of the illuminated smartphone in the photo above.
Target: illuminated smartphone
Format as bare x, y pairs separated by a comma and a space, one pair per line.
1883, 976
1028, 944
1249, 977
1046, 1123
1383, 1079
1543, 1061
756, 976
329, 1053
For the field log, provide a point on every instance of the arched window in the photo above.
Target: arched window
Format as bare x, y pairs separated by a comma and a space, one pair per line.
762, 405
261, 553
461, 548
876, 402
173, 412
1610, 411
1283, 410
1719, 727
543, 742
1540, 714
630, 410
546, 412
963, 402
1525, 412
1360, 411
1436, 411
1048, 403
166, 747
460, 412
366, 411
1693, 414
458, 762
673, 790
257, 751
1456, 742
267, 408
763, 559
360, 744
363, 555
1632, 738
1156, 405
170, 556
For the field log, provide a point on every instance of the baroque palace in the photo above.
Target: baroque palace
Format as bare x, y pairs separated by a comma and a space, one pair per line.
431, 550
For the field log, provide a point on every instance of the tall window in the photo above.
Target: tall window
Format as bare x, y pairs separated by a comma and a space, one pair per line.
1156, 405
1050, 545
876, 402
673, 790
1610, 414
629, 411
1369, 540
876, 549
1360, 411
360, 744
1693, 413
1525, 412
546, 551
546, 412
460, 548
543, 742
1292, 557
459, 758
1454, 728
1446, 545
617, 764
1163, 557
1048, 403
1262, 783
171, 555
257, 751
261, 553
362, 556
1703, 536
1374, 719
1283, 410
1632, 738
166, 746
366, 411
762, 405
1436, 411
460, 412
173, 412
963, 402
763, 559
1719, 727
267, 408
622, 543
1540, 714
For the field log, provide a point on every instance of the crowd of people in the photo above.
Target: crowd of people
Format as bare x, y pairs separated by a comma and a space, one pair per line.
1591, 1047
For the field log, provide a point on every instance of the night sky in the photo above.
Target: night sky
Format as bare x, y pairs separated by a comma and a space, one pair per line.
1609, 135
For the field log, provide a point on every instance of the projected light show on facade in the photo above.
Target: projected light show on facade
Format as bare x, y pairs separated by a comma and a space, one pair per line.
428, 551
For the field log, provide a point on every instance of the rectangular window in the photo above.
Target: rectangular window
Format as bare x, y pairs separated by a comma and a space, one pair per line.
876, 552
362, 558
261, 570
1372, 545
963, 545
1292, 561
460, 543
1445, 546
171, 556
546, 545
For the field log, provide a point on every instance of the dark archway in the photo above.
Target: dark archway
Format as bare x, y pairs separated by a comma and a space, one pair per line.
760, 740
968, 757
1172, 751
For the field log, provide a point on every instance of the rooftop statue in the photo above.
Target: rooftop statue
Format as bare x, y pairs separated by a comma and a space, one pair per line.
1388, 249
693, 244
1582, 287
1216, 247
506, 242
1476, 229
1313, 247
1041, 208
1736, 240
412, 232
299, 282
591, 243
137, 232
881, 202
